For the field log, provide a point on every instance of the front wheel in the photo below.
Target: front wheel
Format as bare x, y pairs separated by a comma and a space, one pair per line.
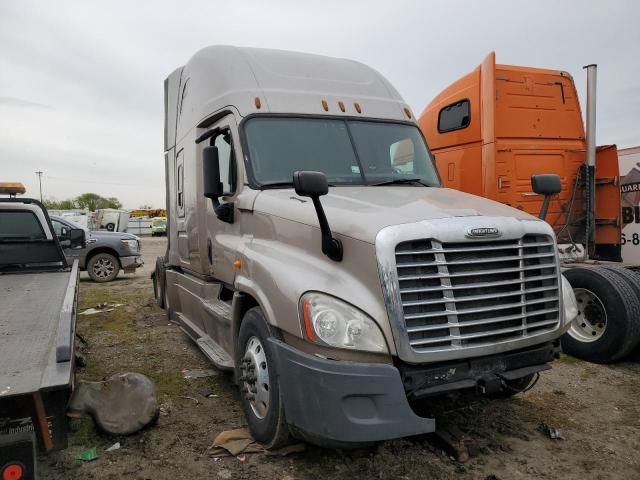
111, 227
258, 380
103, 267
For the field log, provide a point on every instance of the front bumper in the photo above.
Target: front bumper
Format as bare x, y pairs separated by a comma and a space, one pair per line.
335, 402
132, 262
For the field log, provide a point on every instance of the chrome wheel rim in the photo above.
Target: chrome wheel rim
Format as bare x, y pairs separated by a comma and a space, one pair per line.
591, 321
255, 377
103, 268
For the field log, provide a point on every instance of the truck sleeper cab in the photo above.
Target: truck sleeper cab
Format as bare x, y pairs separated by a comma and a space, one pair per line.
312, 250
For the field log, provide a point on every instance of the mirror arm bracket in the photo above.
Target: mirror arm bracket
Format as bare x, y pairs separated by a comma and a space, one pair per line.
224, 211
331, 247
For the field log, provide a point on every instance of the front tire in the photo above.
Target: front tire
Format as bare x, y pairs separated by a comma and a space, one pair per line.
111, 227
103, 267
258, 377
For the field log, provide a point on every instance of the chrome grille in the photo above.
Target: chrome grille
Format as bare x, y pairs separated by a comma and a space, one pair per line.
457, 295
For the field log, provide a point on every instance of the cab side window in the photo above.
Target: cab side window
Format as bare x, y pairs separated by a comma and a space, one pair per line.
180, 184
227, 162
57, 227
454, 117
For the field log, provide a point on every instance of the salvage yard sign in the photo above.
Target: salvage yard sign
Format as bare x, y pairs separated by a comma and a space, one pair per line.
629, 162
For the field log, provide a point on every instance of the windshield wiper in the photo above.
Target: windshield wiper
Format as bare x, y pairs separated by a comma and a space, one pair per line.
266, 186
276, 185
400, 181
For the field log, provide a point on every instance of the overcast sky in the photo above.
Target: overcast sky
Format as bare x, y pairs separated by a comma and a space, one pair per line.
81, 82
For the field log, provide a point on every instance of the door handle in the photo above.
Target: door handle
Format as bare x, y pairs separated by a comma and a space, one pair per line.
209, 251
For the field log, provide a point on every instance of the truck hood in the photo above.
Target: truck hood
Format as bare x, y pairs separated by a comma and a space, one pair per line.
361, 212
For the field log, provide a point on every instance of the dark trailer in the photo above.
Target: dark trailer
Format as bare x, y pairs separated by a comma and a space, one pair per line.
38, 299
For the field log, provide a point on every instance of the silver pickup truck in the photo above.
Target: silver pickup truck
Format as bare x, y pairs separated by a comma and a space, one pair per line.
38, 298
313, 251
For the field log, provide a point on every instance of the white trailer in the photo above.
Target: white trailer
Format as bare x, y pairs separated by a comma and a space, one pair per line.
112, 219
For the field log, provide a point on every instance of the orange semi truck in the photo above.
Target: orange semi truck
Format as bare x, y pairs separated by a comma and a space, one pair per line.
495, 128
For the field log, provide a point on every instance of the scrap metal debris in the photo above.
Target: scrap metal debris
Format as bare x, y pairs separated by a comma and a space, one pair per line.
115, 446
198, 373
551, 432
121, 405
100, 308
454, 442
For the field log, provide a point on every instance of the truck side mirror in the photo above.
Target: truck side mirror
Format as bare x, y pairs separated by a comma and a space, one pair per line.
77, 238
213, 187
547, 184
314, 185
211, 173
310, 184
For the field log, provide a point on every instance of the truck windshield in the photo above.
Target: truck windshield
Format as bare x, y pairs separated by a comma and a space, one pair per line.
348, 152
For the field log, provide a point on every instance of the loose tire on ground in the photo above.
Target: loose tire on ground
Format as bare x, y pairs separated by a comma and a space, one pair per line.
267, 425
608, 310
103, 267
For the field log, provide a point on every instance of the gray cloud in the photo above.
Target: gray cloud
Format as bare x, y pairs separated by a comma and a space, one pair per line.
100, 67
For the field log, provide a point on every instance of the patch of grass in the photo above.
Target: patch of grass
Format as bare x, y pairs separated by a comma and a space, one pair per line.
83, 433
170, 384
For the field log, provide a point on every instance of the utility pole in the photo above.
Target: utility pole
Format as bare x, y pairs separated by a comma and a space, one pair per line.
39, 173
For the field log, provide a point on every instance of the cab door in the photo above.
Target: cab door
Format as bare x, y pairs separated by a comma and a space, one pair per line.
223, 240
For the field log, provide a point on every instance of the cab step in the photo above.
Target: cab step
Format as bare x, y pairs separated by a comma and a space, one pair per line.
215, 353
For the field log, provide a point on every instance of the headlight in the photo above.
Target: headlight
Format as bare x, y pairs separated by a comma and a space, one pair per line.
569, 301
131, 245
335, 323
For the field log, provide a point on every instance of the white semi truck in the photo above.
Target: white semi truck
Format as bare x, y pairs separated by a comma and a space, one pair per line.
313, 251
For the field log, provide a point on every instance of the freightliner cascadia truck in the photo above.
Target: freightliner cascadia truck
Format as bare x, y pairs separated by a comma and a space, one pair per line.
313, 251
492, 130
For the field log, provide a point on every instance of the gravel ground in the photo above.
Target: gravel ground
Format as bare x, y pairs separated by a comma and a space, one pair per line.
595, 408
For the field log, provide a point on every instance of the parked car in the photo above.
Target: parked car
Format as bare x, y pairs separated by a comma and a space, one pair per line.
105, 253
158, 226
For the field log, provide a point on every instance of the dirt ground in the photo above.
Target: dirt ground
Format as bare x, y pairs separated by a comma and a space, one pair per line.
595, 408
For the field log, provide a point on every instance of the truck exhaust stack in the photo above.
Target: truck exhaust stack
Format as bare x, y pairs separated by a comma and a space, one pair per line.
590, 164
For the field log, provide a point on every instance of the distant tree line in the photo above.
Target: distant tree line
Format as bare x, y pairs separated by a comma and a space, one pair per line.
88, 201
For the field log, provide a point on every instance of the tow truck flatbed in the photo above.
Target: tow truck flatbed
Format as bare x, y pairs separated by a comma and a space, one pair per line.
36, 346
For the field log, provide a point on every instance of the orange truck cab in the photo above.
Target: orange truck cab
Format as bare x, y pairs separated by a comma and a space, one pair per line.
494, 128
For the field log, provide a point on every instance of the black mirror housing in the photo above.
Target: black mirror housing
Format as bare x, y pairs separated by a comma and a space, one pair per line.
77, 238
546, 184
314, 185
310, 184
211, 173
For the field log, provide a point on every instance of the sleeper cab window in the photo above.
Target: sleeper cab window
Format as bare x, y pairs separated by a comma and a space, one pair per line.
180, 184
454, 117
